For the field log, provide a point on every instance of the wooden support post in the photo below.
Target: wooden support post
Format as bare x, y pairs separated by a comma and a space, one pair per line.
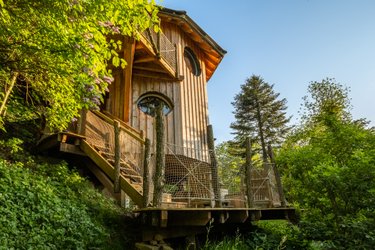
160, 156
277, 176
214, 170
159, 42
248, 168
146, 173
81, 126
177, 73
117, 186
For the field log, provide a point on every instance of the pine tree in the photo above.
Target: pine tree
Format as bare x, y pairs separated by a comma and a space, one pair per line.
260, 114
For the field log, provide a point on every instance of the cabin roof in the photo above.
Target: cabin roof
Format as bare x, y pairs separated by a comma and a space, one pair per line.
213, 52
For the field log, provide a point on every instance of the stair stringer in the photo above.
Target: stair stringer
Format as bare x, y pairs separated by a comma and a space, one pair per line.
109, 170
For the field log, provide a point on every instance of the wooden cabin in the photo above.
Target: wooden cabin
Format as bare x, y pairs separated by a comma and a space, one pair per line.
175, 66
176, 63
119, 144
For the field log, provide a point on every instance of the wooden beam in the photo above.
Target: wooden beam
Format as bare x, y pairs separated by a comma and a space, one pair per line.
139, 46
101, 176
47, 143
156, 75
129, 52
129, 130
108, 169
238, 216
149, 69
181, 218
145, 59
70, 148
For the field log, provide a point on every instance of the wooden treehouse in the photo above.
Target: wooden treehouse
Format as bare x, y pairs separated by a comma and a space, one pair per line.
123, 147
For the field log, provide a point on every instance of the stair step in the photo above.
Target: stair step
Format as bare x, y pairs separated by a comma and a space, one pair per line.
124, 165
127, 171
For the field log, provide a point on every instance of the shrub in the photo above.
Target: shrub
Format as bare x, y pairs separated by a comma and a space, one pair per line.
48, 206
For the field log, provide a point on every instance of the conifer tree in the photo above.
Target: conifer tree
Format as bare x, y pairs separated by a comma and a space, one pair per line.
260, 114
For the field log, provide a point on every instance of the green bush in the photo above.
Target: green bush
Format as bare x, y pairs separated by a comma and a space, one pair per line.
48, 206
266, 235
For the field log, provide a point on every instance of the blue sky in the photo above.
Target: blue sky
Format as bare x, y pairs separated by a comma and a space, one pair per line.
289, 43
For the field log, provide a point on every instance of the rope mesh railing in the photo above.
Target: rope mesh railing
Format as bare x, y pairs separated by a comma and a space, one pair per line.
263, 183
165, 47
263, 186
188, 179
100, 134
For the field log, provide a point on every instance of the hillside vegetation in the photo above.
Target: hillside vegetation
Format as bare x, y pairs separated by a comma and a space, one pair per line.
45, 205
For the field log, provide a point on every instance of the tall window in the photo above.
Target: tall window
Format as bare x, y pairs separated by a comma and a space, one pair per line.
192, 62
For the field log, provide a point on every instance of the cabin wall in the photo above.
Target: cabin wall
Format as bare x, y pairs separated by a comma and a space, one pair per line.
186, 126
118, 98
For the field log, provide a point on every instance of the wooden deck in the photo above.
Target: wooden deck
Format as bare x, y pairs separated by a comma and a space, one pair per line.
173, 219
166, 223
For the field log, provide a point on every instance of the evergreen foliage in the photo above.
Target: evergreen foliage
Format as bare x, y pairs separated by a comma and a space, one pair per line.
260, 114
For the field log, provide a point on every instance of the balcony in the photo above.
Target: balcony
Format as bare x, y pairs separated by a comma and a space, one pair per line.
155, 56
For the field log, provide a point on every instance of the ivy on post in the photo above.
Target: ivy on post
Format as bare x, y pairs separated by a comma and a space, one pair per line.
248, 167
277, 176
160, 156
146, 173
214, 170
81, 126
117, 185
157, 105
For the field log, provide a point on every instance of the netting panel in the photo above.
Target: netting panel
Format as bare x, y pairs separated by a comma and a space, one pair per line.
263, 186
187, 179
100, 134
166, 47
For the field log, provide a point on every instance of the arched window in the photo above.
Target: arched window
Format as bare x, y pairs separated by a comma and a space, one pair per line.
192, 62
149, 101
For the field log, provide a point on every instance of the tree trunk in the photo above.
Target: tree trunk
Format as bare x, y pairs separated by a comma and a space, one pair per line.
248, 167
261, 134
7, 93
214, 171
146, 173
277, 177
160, 157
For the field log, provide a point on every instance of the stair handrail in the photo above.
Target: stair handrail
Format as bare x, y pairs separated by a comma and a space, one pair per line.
138, 135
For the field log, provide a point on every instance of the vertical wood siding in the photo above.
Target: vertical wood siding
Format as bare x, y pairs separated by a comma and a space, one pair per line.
186, 126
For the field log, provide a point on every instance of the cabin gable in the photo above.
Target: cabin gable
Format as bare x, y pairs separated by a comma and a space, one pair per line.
157, 63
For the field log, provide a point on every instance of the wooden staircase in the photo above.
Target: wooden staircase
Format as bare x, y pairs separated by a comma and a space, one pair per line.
102, 138
130, 181
108, 139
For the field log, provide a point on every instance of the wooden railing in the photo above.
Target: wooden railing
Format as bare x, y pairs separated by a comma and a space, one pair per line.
163, 48
100, 131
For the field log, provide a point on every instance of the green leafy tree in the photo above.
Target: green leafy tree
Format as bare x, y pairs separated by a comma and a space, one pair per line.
328, 99
328, 166
230, 167
56, 52
259, 113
